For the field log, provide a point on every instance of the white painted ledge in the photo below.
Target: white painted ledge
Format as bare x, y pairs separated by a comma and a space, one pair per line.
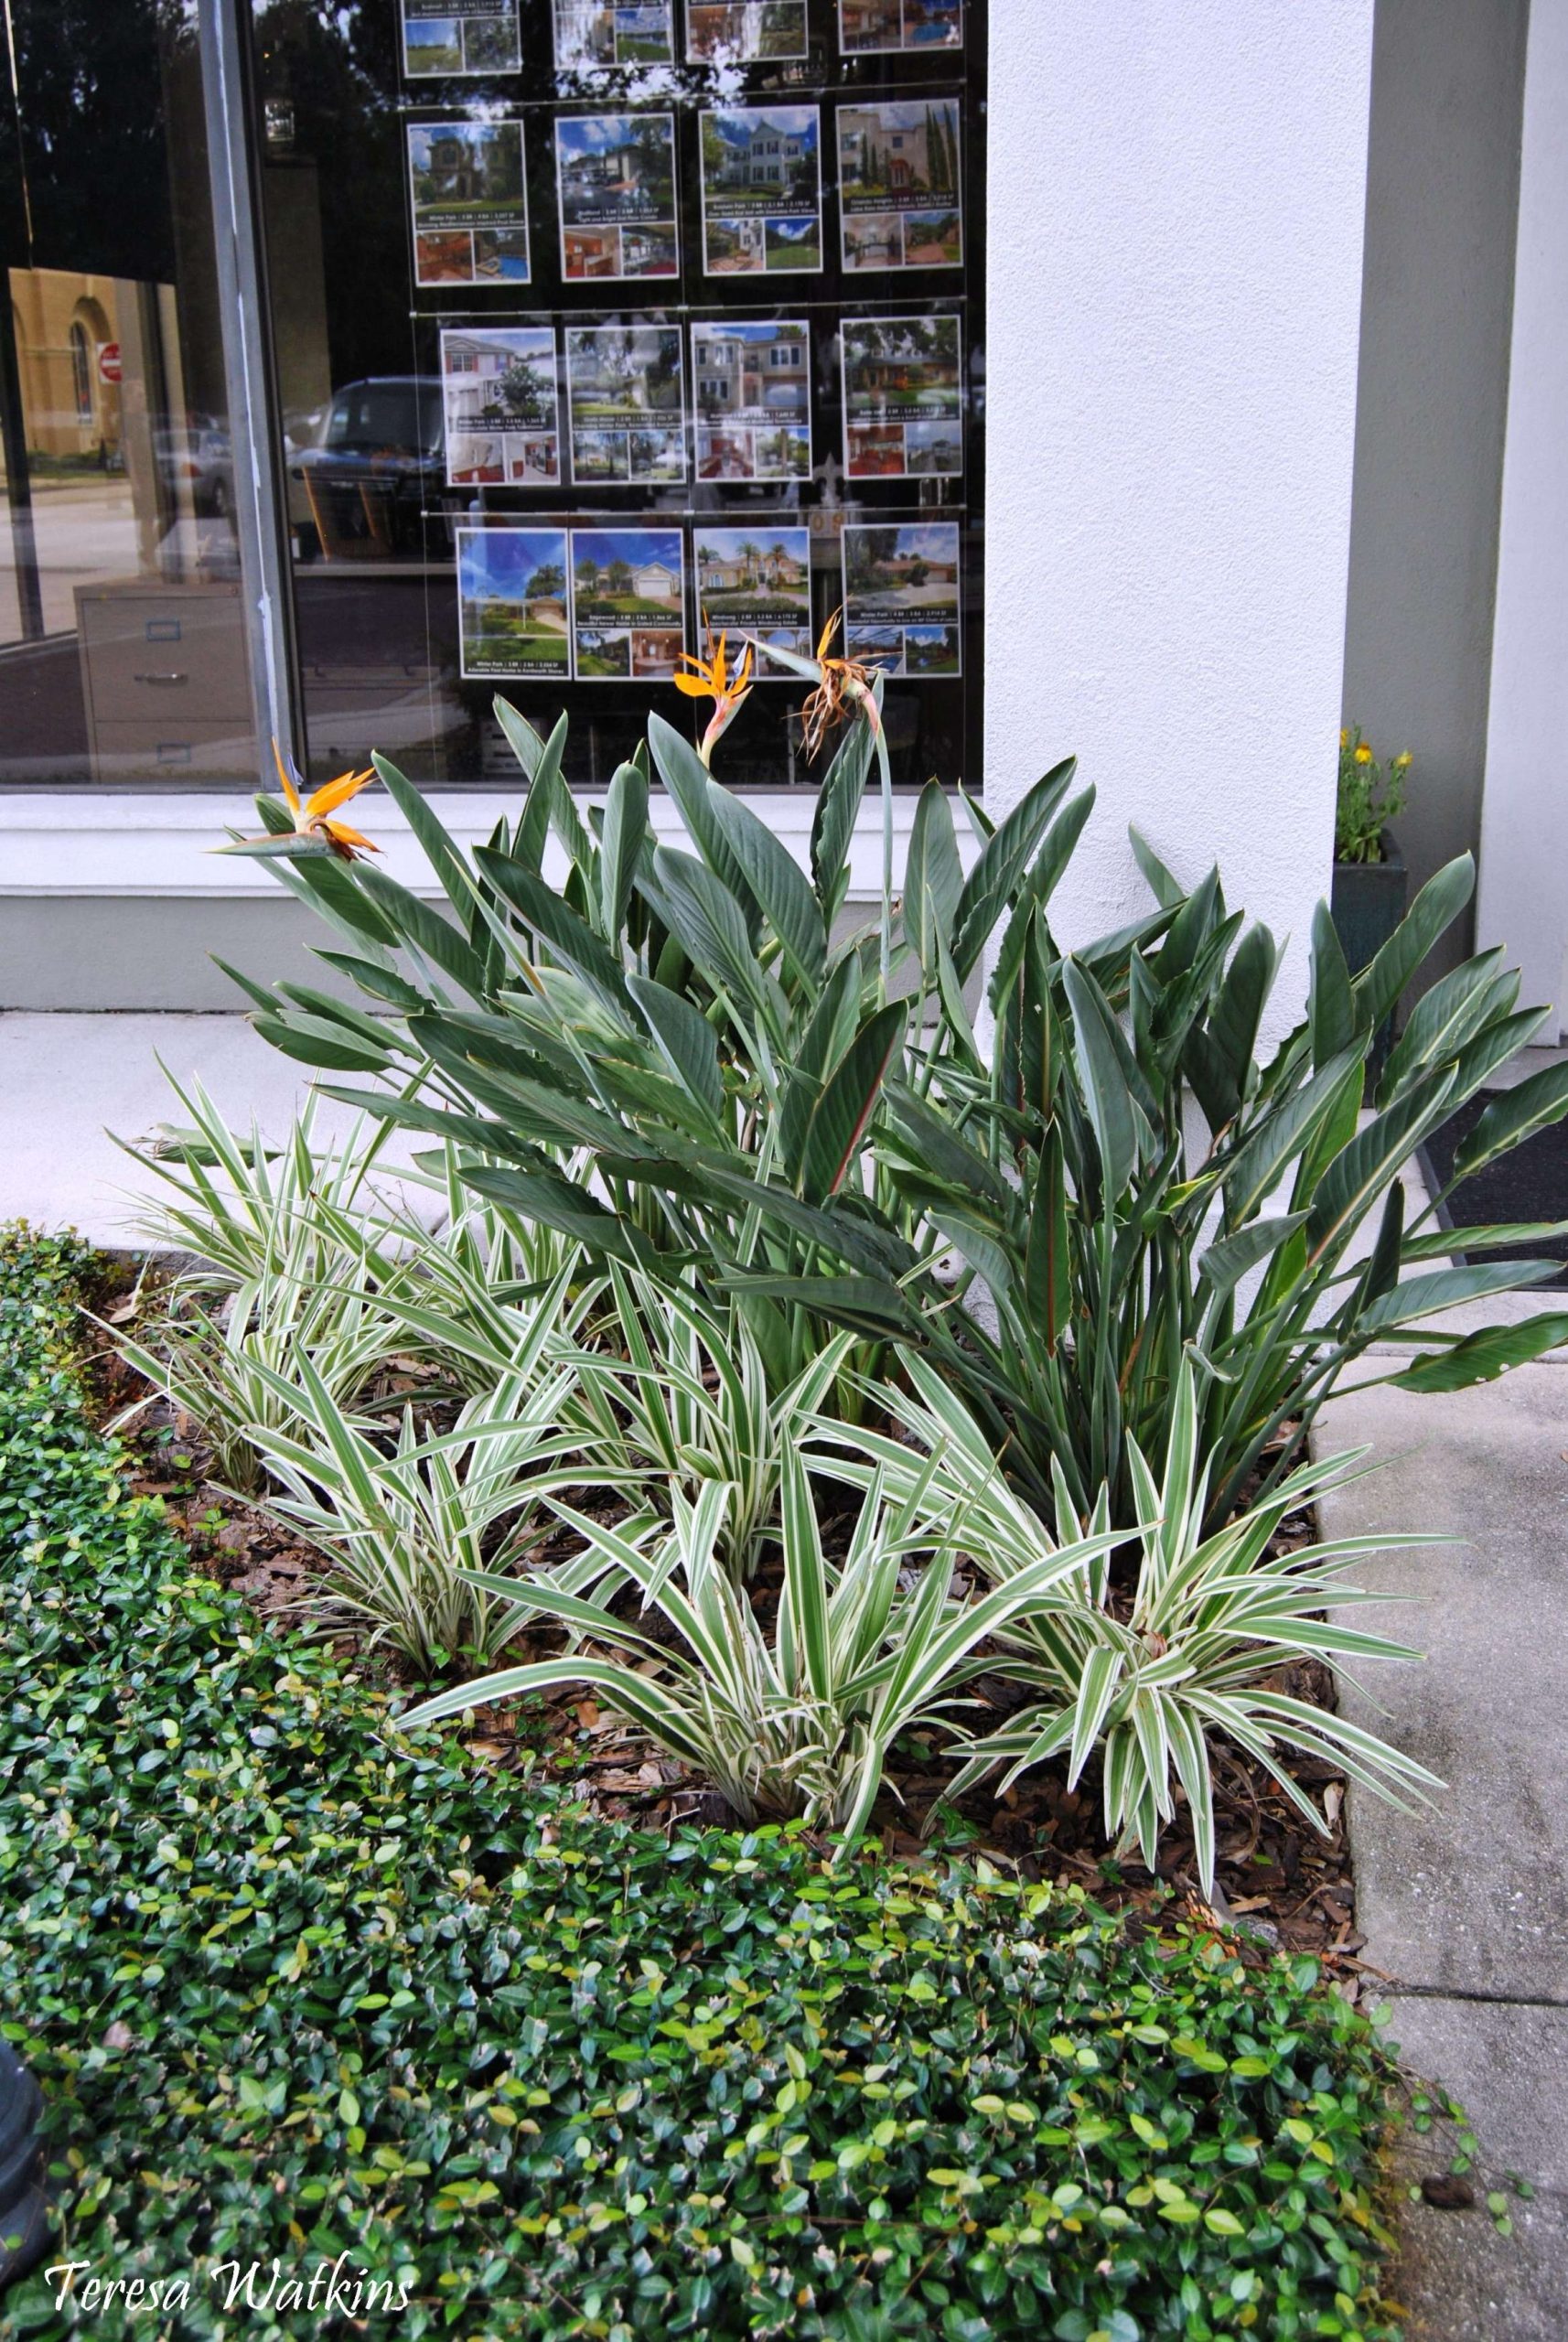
163, 844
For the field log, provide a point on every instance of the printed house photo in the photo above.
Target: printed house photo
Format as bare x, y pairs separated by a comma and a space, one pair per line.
762, 199
615, 176
627, 401
512, 603
746, 32
431, 45
752, 382
629, 600
902, 397
870, 25
757, 582
590, 33
901, 596
470, 213
479, 36
898, 184
499, 395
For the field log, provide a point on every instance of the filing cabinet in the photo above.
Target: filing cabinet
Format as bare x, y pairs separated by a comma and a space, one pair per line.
165, 680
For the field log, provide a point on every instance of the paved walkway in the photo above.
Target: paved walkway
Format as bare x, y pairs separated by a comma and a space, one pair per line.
1465, 1908
67, 1080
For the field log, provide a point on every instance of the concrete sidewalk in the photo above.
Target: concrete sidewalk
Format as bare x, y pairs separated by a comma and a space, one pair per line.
1465, 1908
66, 1081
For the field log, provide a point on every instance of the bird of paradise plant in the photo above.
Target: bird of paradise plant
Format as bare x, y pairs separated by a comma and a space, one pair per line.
711, 679
314, 830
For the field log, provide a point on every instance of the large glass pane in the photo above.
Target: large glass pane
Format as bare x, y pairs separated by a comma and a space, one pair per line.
122, 646
589, 318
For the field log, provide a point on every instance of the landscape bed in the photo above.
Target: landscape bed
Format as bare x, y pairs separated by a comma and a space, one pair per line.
298, 1987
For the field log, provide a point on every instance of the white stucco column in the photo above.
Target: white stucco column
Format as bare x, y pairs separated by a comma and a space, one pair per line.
1177, 192
1523, 901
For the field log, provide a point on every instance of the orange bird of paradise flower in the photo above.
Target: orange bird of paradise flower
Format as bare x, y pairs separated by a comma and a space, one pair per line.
711, 679
312, 817
314, 828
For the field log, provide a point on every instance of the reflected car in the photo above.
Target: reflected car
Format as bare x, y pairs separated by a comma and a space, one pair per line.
197, 459
361, 489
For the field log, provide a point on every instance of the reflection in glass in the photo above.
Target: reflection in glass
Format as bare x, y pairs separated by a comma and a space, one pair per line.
122, 646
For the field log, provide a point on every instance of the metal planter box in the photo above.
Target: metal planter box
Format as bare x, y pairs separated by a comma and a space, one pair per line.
1367, 903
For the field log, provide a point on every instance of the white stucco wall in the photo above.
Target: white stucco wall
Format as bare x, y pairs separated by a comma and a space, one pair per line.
1523, 901
1177, 192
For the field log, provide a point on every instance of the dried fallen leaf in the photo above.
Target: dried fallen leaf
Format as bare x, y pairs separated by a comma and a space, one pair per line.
588, 1713
1332, 1800
1446, 2192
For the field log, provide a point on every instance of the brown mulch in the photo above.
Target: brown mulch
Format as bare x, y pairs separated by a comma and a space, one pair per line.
1281, 1884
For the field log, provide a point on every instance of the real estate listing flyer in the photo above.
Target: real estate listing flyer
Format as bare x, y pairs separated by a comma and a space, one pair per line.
627, 404
866, 25
592, 33
899, 200
756, 581
762, 191
446, 38
744, 32
903, 400
470, 209
752, 383
628, 603
512, 605
498, 392
615, 177
901, 601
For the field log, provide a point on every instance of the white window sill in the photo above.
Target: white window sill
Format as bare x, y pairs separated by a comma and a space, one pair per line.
163, 844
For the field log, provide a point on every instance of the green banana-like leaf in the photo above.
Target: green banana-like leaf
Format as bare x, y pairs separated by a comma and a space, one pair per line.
1224, 1263
1165, 888
624, 833
686, 1041
1048, 1260
1038, 887
1113, 1113
452, 873
1002, 859
1535, 1104
1360, 1171
311, 1040
419, 928
708, 921
685, 776
1423, 1296
838, 1119
779, 883
838, 809
1332, 1010
1445, 1019
1481, 1357
1494, 1236
1387, 1252
933, 877
1434, 909
1285, 1132
552, 918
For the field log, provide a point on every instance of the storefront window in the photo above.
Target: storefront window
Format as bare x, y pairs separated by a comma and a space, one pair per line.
588, 320
123, 648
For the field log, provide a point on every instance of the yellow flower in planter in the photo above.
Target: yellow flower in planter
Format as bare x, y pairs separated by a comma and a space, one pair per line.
1363, 754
